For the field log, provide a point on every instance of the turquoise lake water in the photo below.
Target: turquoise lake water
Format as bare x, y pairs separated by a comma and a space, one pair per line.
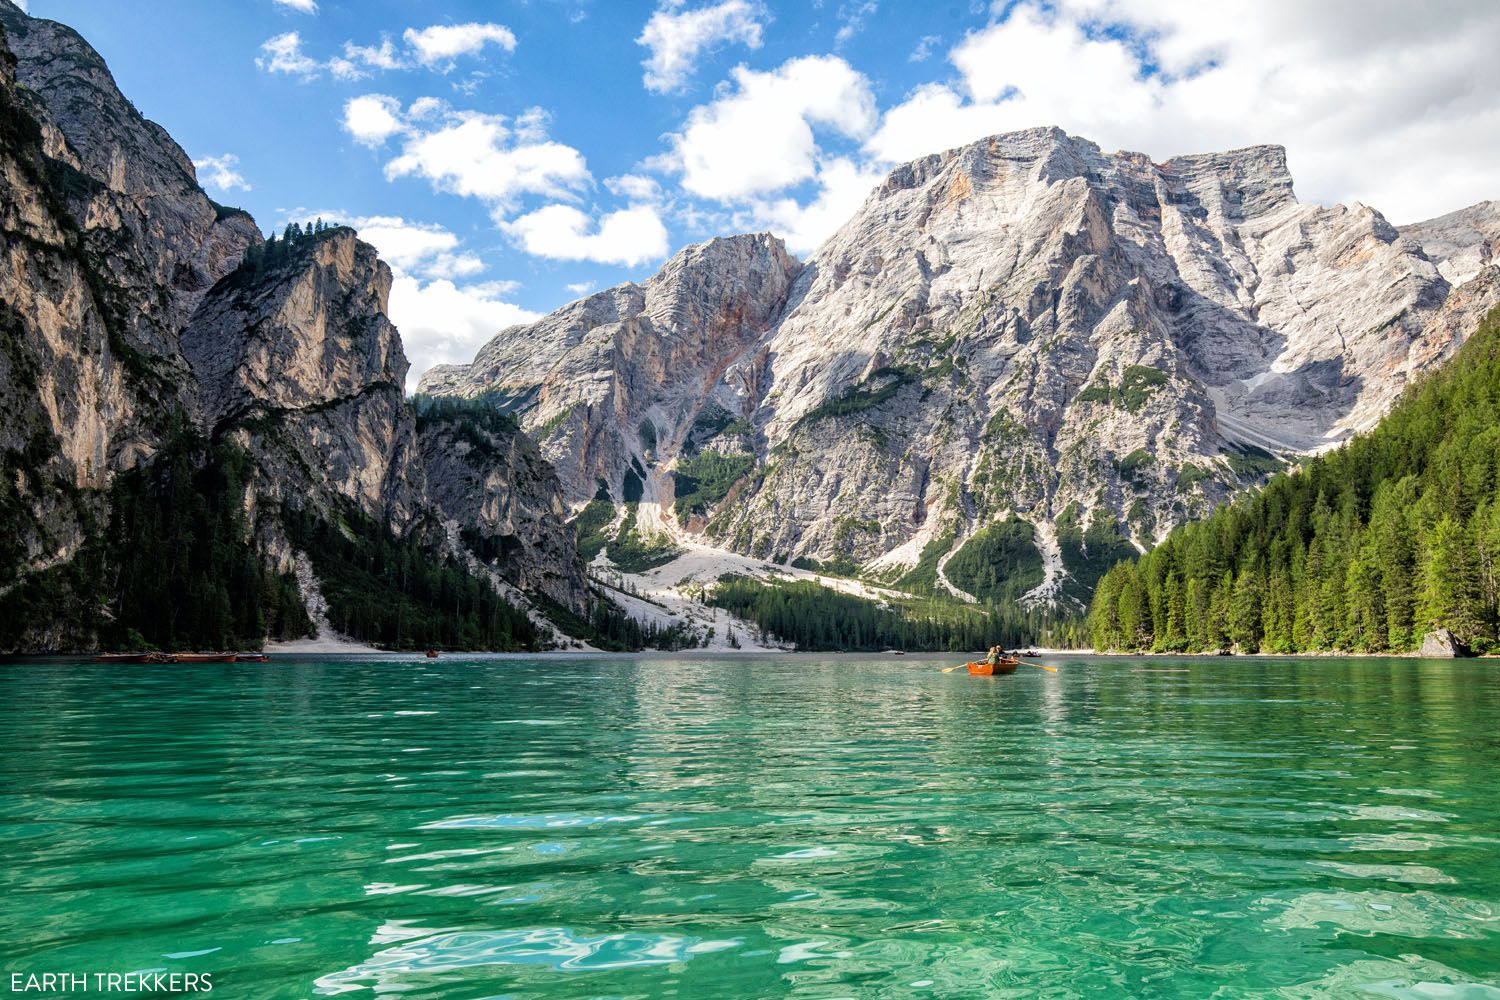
794, 826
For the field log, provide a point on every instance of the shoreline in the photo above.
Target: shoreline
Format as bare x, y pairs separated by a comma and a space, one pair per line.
353, 652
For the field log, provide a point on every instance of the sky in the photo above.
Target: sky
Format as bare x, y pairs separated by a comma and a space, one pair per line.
509, 156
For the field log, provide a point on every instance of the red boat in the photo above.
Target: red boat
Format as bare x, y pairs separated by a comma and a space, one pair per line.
1007, 665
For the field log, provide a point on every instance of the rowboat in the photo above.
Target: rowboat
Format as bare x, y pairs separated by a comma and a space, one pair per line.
432, 654
253, 658
1007, 665
202, 657
128, 658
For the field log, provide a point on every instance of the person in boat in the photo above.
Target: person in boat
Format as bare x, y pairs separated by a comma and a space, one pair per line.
994, 658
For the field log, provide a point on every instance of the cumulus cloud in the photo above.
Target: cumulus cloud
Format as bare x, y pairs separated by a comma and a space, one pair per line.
440, 44
676, 38
426, 250
373, 118
304, 6
445, 323
842, 185
221, 173
758, 136
494, 158
283, 54
481, 156
634, 187
1376, 101
436, 48
628, 236
443, 316
580, 287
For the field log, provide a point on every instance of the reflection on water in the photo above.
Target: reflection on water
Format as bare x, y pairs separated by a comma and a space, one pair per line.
788, 826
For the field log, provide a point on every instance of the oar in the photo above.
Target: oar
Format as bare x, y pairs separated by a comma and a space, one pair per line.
1039, 666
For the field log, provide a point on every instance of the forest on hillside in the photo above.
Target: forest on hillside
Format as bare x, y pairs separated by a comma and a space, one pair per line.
1364, 549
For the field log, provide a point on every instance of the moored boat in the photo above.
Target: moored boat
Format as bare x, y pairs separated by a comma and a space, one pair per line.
1007, 665
253, 658
201, 657
126, 658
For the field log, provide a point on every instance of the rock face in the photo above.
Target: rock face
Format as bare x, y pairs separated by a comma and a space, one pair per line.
1460, 243
297, 361
1442, 644
1026, 326
617, 379
129, 302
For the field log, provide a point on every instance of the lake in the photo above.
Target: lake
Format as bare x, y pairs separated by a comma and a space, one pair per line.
808, 826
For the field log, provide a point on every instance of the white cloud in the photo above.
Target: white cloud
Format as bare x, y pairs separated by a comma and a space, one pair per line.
221, 172
440, 44
758, 137
424, 249
481, 156
445, 323
305, 6
435, 48
634, 187
843, 185
924, 48
358, 61
580, 287
373, 118
1380, 102
25, 5
629, 236
852, 19
676, 38
283, 54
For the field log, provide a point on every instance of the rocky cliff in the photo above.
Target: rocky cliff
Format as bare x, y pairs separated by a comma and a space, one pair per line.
1023, 351
141, 321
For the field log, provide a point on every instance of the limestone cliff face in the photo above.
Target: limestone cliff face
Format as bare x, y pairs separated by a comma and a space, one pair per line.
301, 364
614, 382
1025, 326
296, 360
127, 303
1461, 243
492, 483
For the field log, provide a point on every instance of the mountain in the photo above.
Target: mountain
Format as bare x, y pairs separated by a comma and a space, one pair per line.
204, 435
1363, 549
1020, 360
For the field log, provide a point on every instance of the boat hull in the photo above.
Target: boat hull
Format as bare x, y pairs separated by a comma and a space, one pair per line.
1006, 666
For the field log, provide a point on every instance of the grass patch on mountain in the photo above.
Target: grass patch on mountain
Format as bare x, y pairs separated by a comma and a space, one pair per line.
1138, 384
1249, 462
704, 480
635, 552
999, 563
922, 578
591, 527
1089, 552
880, 387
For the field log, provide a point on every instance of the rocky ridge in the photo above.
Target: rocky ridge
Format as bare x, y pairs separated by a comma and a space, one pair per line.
1087, 348
131, 303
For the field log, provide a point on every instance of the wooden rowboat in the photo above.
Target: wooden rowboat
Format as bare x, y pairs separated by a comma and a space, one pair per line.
202, 657
128, 658
1007, 665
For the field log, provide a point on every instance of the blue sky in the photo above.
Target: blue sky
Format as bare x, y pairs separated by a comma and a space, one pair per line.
509, 156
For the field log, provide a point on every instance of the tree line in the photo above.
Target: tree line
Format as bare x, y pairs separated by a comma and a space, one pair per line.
1364, 549
818, 618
